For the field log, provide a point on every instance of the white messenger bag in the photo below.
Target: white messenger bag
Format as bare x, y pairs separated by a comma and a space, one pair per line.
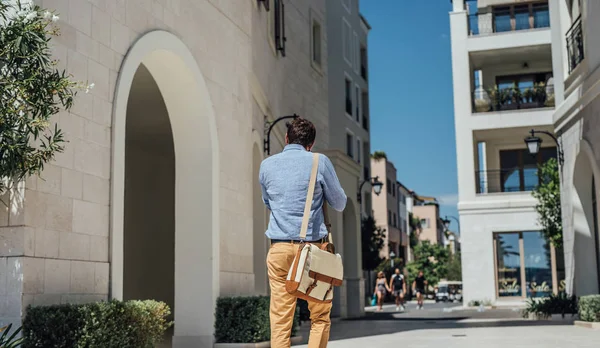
315, 271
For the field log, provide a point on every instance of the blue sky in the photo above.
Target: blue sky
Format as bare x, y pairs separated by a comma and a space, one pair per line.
410, 86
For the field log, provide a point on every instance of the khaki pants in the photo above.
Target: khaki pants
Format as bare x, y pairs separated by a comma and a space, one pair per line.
283, 305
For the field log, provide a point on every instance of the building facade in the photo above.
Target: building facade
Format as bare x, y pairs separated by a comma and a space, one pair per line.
403, 195
347, 33
428, 213
385, 206
503, 74
576, 60
146, 201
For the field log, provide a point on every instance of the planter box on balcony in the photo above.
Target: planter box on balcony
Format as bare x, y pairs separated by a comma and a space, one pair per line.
295, 340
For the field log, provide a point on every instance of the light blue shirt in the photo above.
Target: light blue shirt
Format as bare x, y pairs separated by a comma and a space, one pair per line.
284, 181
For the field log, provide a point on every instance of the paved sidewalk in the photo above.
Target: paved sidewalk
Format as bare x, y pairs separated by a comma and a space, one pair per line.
538, 336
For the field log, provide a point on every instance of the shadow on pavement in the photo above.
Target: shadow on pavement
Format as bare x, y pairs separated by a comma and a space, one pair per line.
390, 323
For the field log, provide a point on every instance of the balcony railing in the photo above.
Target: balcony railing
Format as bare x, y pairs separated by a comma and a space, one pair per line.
575, 44
507, 180
513, 98
505, 20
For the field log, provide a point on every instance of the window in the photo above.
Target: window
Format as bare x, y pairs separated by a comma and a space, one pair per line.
389, 217
348, 96
349, 145
278, 26
357, 104
424, 223
347, 41
365, 108
395, 221
356, 53
363, 62
523, 265
394, 190
541, 16
521, 17
502, 19
358, 150
316, 43
389, 186
518, 171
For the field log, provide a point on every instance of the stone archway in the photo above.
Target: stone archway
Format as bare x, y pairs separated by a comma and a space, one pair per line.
584, 217
195, 182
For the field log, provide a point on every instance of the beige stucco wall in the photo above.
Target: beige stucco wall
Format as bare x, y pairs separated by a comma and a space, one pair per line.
58, 242
385, 202
432, 213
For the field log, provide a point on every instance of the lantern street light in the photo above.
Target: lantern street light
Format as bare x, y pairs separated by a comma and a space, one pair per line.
534, 143
375, 183
447, 221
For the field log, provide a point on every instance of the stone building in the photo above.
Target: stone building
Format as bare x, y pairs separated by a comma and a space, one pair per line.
156, 193
576, 60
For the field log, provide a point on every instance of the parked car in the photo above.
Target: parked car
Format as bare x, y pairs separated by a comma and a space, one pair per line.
449, 291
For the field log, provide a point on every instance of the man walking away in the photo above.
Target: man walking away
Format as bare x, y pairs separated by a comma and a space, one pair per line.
398, 286
284, 180
419, 287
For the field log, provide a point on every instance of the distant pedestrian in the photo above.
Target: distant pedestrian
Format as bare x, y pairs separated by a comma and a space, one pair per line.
418, 286
398, 286
381, 289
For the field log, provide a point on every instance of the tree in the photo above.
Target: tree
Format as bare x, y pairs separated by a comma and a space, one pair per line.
432, 259
372, 242
415, 229
32, 90
547, 194
454, 267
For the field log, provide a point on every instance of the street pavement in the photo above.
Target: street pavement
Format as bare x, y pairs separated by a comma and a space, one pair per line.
450, 325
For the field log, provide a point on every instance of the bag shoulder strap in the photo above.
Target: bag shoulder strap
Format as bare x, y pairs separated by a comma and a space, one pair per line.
309, 196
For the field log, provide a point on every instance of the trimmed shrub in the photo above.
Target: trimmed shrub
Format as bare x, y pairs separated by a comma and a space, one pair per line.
114, 324
245, 320
555, 304
589, 308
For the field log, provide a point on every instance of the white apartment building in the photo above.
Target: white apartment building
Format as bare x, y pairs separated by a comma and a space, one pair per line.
576, 60
502, 64
156, 194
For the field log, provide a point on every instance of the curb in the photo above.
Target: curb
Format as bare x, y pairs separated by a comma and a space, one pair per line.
295, 340
587, 324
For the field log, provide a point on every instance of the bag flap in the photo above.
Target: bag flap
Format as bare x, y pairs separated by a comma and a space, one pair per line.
325, 263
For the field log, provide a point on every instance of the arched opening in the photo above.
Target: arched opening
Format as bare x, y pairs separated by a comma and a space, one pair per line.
261, 282
186, 167
584, 227
149, 218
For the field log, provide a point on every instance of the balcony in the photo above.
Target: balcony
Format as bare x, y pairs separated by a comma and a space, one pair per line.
515, 97
506, 180
575, 45
501, 19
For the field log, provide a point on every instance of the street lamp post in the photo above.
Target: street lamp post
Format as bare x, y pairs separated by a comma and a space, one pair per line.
392, 256
267, 144
533, 144
377, 185
447, 221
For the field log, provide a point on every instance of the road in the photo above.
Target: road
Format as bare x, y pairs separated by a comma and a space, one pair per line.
449, 325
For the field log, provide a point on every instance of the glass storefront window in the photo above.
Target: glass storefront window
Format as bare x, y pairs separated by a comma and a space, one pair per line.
538, 264
508, 264
524, 265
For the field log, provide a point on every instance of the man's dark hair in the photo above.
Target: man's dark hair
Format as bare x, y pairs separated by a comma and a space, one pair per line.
302, 132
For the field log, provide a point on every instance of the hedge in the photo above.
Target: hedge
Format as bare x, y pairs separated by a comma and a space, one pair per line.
114, 324
589, 308
245, 320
